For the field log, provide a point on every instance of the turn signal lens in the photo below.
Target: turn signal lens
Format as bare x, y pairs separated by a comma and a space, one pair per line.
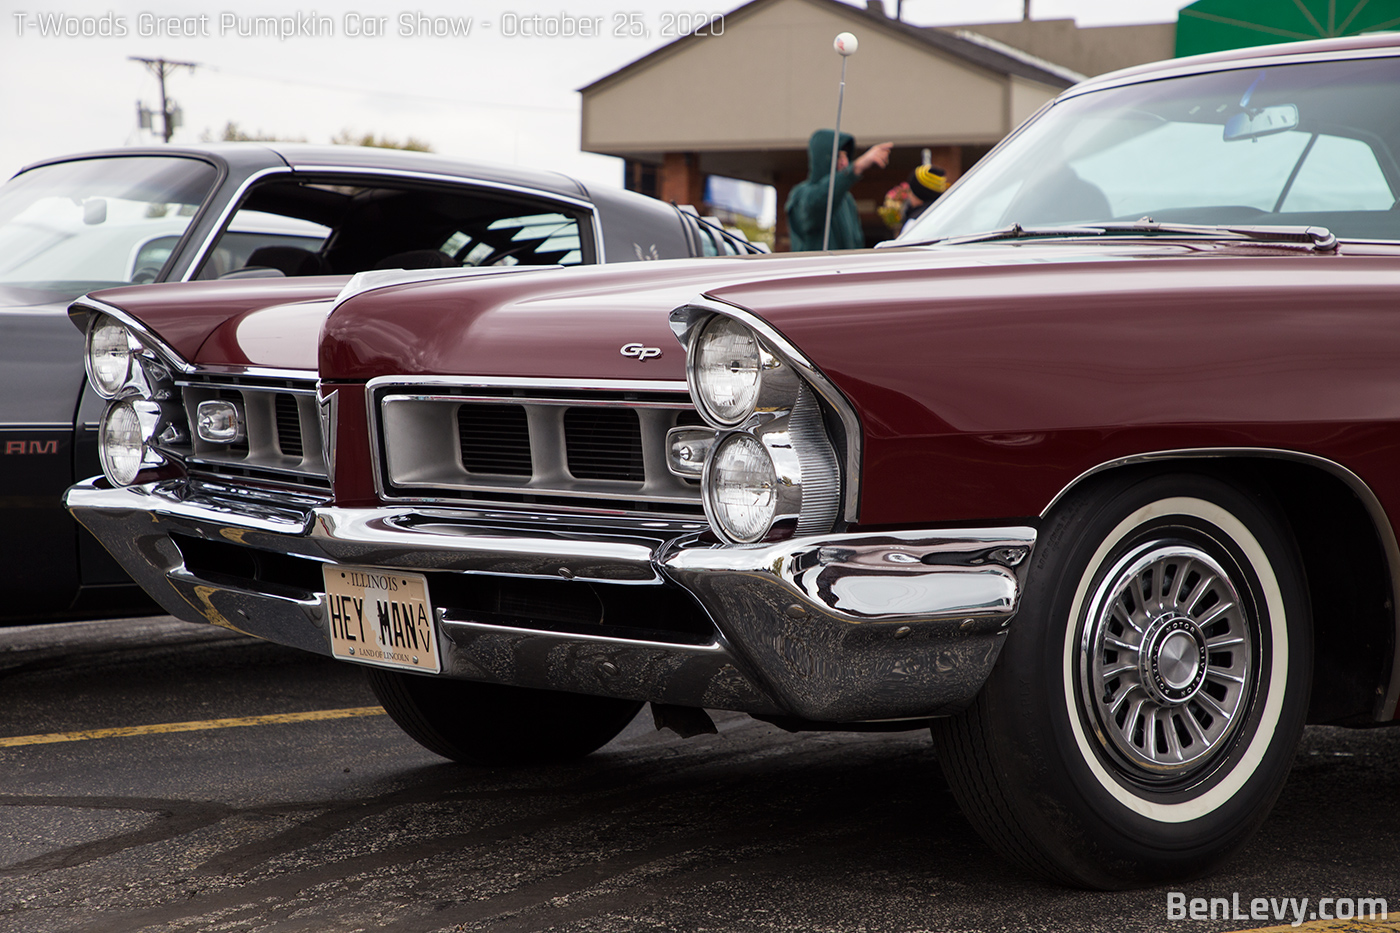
219, 421
726, 371
741, 489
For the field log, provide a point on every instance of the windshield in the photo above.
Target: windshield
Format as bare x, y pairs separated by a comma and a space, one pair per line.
76, 226
1285, 145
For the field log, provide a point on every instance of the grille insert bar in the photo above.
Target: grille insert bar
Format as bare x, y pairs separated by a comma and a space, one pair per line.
576, 449
282, 431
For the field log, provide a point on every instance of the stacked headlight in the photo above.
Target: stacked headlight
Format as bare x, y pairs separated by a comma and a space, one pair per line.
124, 441
769, 467
742, 494
111, 356
726, 371
121, 369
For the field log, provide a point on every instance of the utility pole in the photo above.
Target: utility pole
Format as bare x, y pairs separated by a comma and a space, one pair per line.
161, 68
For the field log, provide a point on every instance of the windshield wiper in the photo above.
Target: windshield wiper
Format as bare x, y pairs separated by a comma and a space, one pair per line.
1319, 239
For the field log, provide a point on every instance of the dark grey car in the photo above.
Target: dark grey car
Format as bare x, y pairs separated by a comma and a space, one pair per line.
78, 223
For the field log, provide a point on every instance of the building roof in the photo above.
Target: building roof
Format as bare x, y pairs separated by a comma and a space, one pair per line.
994, 57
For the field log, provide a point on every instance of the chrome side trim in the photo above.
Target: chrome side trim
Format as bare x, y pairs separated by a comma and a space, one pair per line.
1388, 706
283, 390
684, 320
531, 382
258, 372
87, 305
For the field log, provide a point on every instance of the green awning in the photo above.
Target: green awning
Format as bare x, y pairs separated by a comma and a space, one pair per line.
1216, 25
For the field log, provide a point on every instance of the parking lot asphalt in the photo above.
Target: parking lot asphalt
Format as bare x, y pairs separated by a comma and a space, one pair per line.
166, 777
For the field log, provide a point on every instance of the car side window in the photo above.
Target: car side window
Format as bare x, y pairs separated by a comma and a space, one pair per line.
328, 227
531, 239
251, 231
712, 239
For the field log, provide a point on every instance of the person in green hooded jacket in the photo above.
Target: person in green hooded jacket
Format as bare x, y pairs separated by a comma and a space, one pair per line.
806, 205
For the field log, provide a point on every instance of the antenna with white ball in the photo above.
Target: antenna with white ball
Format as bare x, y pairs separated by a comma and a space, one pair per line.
846, 44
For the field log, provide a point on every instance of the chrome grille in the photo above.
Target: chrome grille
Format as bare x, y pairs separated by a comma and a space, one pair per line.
592, 448
288, 422
494, 439
282, 426
604, 443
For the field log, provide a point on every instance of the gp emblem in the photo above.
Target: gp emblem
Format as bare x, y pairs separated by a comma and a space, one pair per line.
640, 352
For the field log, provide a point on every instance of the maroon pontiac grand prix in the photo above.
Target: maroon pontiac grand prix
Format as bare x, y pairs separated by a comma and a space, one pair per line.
1096, 473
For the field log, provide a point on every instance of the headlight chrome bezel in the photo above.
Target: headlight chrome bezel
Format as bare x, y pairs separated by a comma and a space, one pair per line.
146, 419
785, 420
775, 384
714, 485
99, 326
146, 373
144, 416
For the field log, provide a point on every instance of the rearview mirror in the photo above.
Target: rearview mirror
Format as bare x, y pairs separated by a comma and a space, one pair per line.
1265, 121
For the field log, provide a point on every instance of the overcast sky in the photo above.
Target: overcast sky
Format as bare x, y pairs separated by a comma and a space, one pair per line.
497, 94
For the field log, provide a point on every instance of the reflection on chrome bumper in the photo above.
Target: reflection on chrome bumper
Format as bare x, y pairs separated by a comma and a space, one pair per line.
841, 628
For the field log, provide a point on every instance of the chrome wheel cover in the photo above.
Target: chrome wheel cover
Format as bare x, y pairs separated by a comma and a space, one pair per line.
1166, 662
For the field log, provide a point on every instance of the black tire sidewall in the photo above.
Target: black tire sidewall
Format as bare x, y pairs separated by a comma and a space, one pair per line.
1072, 807
495, 725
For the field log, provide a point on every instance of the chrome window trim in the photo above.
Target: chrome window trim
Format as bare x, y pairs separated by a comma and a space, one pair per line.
225, 216
377, 464
1198, 68
460, 180
144, 333
440, 177
683, 322
1386, 707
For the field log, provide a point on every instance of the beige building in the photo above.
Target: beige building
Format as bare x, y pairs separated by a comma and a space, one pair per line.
743, 103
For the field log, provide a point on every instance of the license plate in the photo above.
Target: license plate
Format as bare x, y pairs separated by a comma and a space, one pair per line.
381, 617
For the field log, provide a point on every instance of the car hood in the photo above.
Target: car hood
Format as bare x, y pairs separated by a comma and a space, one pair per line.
272, 323
579, 323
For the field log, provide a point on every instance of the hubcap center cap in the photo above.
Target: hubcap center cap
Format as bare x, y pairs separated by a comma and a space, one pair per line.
1177, 660
1174, 659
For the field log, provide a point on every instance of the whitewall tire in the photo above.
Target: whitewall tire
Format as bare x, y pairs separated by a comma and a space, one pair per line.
1143, 715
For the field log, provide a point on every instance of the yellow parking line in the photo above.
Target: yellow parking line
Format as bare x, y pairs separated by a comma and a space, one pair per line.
196, 726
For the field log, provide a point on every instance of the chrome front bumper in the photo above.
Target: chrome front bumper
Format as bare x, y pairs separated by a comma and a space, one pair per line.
841, 628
